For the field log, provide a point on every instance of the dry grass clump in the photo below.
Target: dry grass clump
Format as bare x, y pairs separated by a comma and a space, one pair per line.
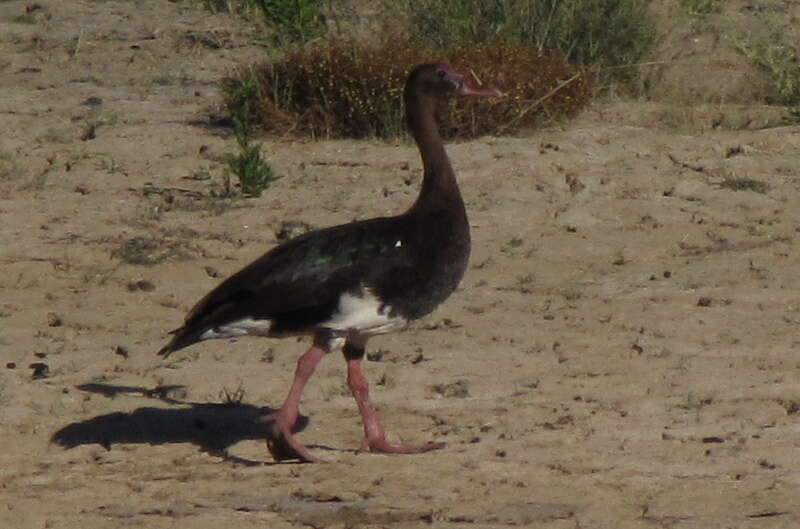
151, 250
346, 88
339, 89
539, 86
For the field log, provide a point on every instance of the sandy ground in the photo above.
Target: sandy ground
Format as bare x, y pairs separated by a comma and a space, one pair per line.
622, 352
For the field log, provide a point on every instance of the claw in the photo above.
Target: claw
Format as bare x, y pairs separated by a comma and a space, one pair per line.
382, 446
283, 445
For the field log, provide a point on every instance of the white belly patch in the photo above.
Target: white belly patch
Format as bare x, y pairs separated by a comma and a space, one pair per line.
365, 314
241, 327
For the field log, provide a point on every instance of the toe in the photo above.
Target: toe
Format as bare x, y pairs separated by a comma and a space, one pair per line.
284, 447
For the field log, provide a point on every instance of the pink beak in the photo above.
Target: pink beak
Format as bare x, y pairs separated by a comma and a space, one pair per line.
469, 87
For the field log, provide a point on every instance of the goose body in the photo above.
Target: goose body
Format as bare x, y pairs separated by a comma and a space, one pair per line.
346, 283
370, 276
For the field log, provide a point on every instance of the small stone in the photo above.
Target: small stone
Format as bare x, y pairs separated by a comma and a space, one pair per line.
40, 370
763, 463
458, 389
53, 320
375, 356
704, 302
289, 229
141, 284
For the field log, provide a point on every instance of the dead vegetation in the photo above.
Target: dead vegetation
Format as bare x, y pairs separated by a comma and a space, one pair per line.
347, 88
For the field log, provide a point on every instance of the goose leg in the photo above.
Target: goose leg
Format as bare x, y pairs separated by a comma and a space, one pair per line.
283, 445
374, 433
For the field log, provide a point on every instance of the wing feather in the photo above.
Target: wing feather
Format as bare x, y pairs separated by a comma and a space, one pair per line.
305, 275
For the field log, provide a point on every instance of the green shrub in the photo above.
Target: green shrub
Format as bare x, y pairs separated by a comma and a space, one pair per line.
240, 97
294, 20
702, 7
291, 21
779, 57
350, 89
596, 33
231, 6
793, 116
254, 174
744, 184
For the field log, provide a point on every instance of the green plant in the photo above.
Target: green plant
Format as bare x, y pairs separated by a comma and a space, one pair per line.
248, 165
25, 18
702, 7
254, 174
294, 20
151, 250
744, 184
605, 34
793, 116
779, 57
139, 251
291, 21
34, 14
241, 94
9, 169
231, 6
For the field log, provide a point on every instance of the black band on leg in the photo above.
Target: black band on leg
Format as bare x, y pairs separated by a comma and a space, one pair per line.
353, 352
323, 339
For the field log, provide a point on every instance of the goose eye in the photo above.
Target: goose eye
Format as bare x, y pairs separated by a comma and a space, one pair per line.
441, 73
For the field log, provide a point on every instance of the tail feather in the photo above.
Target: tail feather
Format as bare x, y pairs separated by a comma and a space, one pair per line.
183, 337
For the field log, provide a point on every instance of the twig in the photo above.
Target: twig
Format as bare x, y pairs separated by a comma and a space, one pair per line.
78, 44
539, 101
105, 276
475, 76
339, 164
648, 63
150, 189
698, 168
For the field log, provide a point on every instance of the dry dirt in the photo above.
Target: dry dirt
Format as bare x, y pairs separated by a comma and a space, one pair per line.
622, 353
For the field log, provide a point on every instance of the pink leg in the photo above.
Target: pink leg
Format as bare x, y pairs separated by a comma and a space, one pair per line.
374, 434
282, 445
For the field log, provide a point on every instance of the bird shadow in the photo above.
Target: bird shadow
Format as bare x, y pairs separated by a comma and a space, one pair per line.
212, 427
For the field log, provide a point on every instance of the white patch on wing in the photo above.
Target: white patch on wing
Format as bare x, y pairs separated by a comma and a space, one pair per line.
239, 328
365, 314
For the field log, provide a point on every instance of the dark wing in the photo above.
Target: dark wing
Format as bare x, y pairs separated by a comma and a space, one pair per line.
298, 284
